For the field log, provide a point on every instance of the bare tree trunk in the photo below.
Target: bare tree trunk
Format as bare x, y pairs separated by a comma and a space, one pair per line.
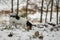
41, 12
49, 2
27, 8
47, 11
46, 14
12, 6
57, 6
17, 7
51, 10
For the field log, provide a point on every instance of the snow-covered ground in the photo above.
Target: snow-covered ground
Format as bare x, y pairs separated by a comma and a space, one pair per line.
20, 33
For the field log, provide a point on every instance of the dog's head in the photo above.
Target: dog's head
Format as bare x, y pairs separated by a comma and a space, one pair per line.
15, 16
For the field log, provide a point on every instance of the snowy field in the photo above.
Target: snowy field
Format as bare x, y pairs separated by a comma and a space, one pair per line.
47, 32
22, 34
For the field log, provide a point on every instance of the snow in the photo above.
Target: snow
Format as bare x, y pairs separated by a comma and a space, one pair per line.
6, 5
37, 16
20, 33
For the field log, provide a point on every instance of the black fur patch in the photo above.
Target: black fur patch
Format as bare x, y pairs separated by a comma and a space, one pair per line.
15, 16
29, 24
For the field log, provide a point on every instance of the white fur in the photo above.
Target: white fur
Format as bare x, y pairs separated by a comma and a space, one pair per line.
21, 21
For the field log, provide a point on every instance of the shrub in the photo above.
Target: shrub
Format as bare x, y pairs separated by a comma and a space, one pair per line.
24, 15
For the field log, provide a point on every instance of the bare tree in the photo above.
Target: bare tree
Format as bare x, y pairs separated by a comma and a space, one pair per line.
51, 10
57, 7
12, 6
41, 11
17, 7
27, 8
46, 14
47, 10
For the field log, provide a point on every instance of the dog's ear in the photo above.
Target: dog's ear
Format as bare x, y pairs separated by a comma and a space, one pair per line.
17, 17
